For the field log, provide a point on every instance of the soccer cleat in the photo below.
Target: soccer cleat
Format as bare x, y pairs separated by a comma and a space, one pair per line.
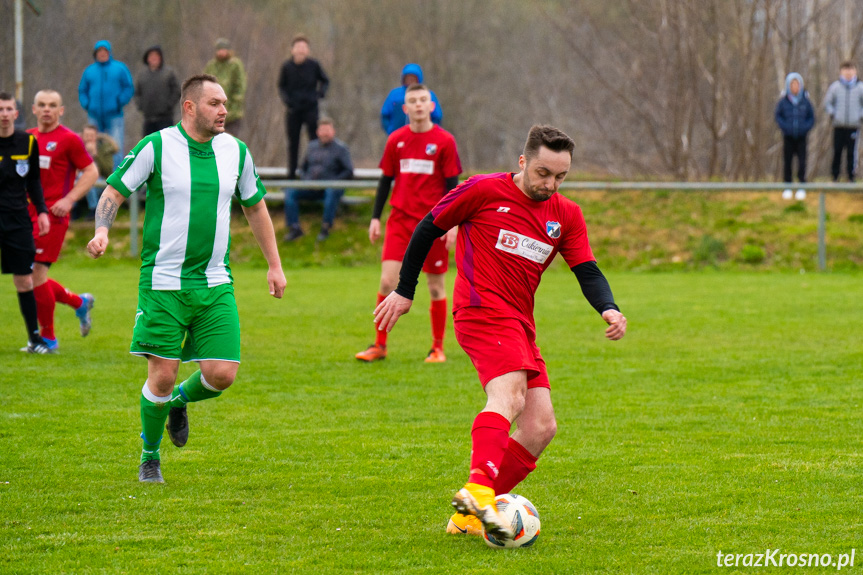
150, 472
375, 352
178, 426
787, 195
478, 500
83, 313
464, 525
800, 194
42, 347
294, 232
435, 356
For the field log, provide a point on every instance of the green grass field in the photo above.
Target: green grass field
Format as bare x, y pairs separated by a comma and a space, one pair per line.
727, 420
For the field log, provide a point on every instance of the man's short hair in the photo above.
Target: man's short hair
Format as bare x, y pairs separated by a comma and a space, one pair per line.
6, 96
847, 64
48, 91
192, 87
299, 38
547, 136
90, 127
325, 120
415, 87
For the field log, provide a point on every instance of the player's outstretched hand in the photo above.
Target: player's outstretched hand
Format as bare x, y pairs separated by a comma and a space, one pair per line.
277, 282
616, 324
374, 230
389, 311
96, 247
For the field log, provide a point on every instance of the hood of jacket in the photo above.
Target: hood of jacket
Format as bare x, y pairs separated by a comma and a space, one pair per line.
158, 49
103, 44
414, 69
789, 78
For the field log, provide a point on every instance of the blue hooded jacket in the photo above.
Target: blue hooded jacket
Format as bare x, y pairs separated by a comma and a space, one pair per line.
105, 87
392, 115
795, 118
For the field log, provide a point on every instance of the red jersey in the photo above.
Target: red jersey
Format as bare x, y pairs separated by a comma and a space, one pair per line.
420, 164
506, 241
61, 155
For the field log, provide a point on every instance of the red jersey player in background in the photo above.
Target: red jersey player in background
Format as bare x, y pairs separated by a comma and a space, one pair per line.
423, 159
511, 227
61, 156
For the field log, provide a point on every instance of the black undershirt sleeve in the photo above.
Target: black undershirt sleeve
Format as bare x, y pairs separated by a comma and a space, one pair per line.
450, 184
594, 286
381, 196
424, 235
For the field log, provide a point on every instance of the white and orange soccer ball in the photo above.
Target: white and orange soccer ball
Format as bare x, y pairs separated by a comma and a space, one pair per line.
523, 517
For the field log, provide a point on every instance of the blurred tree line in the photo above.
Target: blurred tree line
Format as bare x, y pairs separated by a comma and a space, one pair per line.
653, 88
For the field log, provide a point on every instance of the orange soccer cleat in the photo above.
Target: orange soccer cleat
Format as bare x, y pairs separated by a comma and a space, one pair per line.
435, 356
464, 525
478, 500
374, 352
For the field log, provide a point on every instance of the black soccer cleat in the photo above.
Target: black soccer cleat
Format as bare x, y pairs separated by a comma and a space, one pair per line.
150, 472
178, 426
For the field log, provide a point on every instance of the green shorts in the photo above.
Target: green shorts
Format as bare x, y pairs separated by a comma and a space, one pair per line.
190, 325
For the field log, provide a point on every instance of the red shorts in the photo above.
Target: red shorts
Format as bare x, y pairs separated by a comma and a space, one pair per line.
397, 235
48, 246
499, 344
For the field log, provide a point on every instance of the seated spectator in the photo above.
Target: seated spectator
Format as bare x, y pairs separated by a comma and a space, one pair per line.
101, 148
327, 158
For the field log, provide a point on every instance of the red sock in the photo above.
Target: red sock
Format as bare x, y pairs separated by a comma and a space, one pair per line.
438, 321
517, 463
490, 434
45, 309
63, 295
380, 335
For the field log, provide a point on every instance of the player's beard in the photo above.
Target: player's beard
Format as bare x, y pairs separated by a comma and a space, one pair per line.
535, 193
208, 128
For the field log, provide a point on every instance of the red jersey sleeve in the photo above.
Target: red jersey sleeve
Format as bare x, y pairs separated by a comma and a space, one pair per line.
451, 163
459, 205
78, 153
574, 246
390, 161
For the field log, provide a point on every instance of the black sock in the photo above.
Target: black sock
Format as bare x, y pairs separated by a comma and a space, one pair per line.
27, 303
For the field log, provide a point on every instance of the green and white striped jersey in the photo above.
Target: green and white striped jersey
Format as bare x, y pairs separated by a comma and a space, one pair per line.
187, 235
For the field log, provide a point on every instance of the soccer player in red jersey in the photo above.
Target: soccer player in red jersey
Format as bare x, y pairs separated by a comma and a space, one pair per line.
61, 156
511, 227
423, 159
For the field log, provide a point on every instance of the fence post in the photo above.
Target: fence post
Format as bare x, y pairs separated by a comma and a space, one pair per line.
822, 240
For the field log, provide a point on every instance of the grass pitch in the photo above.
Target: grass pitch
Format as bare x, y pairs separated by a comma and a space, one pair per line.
726, 420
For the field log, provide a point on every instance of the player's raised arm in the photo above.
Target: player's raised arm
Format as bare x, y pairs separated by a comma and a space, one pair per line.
596, 290
106, 213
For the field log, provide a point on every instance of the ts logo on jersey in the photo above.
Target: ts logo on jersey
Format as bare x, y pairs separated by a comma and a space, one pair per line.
431, 149
51, 146
552, 229
503, 209
509, 240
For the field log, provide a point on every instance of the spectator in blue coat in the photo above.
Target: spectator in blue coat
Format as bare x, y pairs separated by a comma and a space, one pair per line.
392, 115
105, 88
795, 116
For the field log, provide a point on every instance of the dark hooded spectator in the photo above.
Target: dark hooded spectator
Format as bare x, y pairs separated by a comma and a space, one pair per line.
105, 89
157, 92
393, 116
795, 117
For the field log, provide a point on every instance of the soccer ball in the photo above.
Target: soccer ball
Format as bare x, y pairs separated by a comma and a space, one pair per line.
524, 519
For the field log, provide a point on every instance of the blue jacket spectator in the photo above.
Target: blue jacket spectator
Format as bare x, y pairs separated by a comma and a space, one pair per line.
105, 88
392, 115
794, 112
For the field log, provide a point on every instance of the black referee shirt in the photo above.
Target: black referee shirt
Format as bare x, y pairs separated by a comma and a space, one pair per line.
19, 174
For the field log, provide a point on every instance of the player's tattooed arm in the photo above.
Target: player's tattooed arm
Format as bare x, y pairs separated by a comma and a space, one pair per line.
106, 210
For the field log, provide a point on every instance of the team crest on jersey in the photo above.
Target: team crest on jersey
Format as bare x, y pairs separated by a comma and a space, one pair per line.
400, 145
431, 149
552, 229
51, 146
22, 167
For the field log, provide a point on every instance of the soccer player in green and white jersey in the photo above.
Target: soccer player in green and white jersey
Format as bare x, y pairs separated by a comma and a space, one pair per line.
186, 306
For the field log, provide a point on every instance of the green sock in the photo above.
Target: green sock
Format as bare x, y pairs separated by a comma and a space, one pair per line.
192, 390
153, 417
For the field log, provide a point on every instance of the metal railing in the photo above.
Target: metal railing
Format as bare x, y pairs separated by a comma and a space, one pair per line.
368, 179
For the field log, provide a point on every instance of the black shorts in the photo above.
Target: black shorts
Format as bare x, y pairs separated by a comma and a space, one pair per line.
17, 248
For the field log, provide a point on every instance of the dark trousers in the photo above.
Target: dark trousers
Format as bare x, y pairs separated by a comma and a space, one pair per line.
844, 138
294, 121
156, 124
792, 147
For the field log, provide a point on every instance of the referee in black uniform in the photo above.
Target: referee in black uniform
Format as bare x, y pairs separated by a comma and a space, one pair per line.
19, 178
